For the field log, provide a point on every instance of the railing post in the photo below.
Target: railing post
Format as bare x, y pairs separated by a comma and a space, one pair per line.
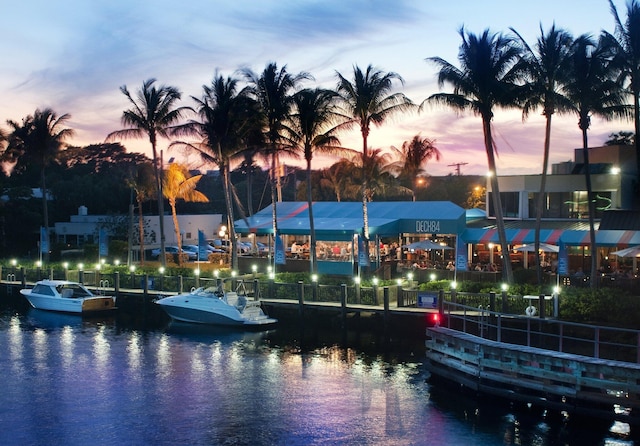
441, 303
256, 289
492, 301
81, 276
499, 329
505, 302
314, 290
375, 294
145, 285
300, 297
23, 277
116, 283
180, 284
400, 296
50, 274
271, 288
542, 303
343, 304
596, 343
385, 303
357, 287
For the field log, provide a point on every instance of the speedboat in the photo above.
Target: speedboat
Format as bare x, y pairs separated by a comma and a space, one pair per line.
67, 297
215, 307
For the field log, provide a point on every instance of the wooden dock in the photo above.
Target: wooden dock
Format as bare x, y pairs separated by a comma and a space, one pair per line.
568, 383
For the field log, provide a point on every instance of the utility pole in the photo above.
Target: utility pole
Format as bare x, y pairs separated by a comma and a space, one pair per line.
457, 166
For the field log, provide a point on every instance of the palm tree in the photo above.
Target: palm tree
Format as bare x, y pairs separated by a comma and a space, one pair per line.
337, 177
412, 156
546, 69
178, 184
626, 44
487, 79
368, 100
311, 130
143, 185
272, 90
593, 89
38, 140
228, 118
153, 113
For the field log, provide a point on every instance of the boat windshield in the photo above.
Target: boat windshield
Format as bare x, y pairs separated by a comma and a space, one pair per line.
73, 290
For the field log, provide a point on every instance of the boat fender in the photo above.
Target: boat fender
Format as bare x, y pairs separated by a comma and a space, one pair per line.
195, 290
530, 311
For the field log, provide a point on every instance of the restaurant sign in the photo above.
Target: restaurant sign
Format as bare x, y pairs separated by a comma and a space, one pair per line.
428, 226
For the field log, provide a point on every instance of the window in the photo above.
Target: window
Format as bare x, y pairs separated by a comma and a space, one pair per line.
510, 204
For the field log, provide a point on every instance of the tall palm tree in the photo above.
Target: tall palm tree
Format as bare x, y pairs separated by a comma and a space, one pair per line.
626, 44
273, 90
228, 118
311, 130
178, 184
412, 156
143, 185
38, 140
486, 79
368, 100
546, 70
593, 89
337, 177
154, 112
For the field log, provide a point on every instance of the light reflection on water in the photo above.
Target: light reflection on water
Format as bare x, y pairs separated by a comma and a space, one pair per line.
71, 381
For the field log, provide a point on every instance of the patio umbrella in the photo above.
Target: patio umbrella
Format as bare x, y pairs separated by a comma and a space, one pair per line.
632, 251
544, 247
426, 245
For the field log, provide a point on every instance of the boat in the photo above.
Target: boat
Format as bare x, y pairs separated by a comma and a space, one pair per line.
67, 297
213, 306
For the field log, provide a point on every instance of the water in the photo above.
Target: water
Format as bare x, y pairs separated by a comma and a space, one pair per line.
73, 381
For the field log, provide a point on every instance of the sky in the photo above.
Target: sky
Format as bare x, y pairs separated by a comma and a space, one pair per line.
74, 55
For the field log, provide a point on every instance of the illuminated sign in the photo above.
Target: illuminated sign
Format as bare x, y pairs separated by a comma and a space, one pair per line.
428, 226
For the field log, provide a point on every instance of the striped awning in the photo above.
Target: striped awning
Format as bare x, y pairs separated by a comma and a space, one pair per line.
552, 236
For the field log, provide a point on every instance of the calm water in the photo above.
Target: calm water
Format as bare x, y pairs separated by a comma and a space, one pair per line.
69, 381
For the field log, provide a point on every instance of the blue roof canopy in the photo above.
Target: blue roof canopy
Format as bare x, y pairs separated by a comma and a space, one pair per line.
341, 220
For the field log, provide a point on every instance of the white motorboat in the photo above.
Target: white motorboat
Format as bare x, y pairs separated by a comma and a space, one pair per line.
214, 307
67, 297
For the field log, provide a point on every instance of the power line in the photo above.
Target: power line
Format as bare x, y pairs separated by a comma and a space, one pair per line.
457, 166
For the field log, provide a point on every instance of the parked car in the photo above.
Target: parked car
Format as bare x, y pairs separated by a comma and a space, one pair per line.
155, 253
194, 249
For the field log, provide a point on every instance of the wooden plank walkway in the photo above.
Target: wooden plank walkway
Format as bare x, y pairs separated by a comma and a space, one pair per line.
565, 382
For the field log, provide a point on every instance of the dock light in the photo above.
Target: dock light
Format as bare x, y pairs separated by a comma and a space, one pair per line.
356, 279
399, 282
556, 290
432, 276
132, 268
216, 273
65, 265
314, 277
272, 275
375, 281
14, 262
38, 263
98, 266
254, 268
161, 270
409, 276
454, 285
233, 273
269, 269
615, 170
196, 271
103, 261
504, 287
80, 266
116, 262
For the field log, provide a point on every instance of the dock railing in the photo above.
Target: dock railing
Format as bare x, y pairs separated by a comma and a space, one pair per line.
550, 334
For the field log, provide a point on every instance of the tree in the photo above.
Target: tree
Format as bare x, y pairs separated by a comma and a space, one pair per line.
546, 71
228, 118
593, 89
337, 177
142, 184
153, 113
487, 79
626, 44
368, 100
412, 156
621, 139
178, 184
311, 130
273, 89
38, 140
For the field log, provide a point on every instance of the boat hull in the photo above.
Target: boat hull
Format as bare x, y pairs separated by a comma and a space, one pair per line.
211, 310
95, 304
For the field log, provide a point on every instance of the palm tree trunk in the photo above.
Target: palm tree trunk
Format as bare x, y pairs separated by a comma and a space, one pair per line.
176, 226
312, 228
229, 203
274, 213
45, 213
543, 186
157, 169
507, 272
141, 230
365, 186
592, 210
